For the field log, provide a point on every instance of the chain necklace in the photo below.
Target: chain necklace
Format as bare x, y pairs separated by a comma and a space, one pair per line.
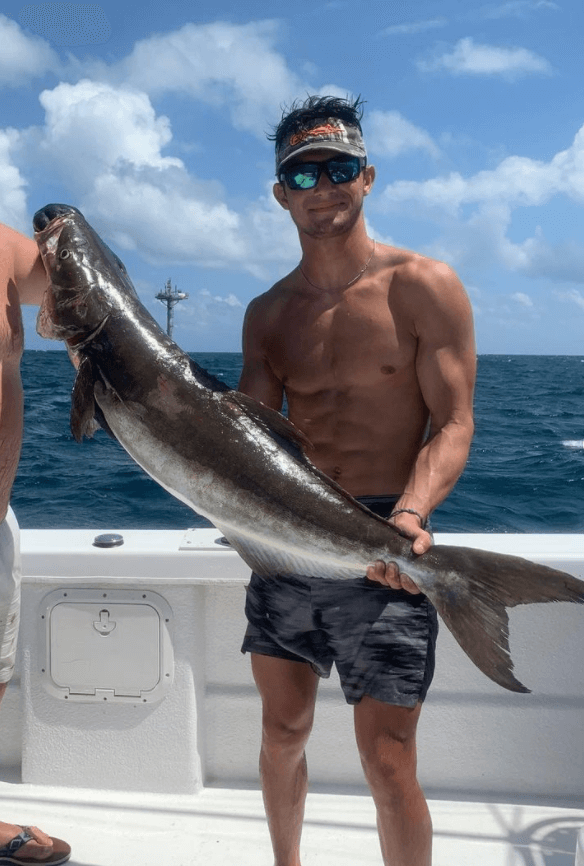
350, 283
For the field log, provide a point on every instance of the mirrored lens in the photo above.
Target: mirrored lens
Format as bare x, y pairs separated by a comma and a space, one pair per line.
305, 177
307, 174
342, 172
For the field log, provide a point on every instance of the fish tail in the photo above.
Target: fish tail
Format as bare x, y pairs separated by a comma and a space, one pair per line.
471, 591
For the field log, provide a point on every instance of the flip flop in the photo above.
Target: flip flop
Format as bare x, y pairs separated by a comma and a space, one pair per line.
60, 853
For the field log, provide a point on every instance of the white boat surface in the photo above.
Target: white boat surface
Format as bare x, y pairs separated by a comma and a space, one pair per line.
131, 728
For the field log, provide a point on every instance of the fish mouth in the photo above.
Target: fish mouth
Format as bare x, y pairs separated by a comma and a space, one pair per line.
47, 215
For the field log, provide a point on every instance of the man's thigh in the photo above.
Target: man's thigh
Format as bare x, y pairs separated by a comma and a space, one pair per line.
10, 573
385, 728
287, 689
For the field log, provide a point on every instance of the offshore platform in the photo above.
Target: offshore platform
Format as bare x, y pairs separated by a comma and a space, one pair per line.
171, 299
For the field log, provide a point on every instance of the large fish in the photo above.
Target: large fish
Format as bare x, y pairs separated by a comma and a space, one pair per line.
241, 464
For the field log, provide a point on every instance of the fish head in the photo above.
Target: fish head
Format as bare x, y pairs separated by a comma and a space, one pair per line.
87, 281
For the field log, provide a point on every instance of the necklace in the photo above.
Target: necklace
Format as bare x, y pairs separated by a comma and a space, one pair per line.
350, 283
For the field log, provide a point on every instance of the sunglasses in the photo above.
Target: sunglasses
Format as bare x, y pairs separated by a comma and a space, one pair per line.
306, 175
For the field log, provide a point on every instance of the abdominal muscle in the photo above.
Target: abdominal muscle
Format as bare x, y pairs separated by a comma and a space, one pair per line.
366, 440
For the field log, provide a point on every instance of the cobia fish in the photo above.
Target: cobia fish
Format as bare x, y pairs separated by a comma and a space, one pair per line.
241, 464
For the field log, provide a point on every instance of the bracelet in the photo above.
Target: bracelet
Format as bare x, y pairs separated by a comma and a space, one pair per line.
408, 511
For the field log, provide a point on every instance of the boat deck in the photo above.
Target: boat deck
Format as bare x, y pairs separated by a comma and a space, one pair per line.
227, 826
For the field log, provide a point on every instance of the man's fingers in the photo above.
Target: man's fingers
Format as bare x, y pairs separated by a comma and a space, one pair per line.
388, 574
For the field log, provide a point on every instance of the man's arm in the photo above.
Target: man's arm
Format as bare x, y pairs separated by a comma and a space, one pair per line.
445, 367
257, 377
21, 257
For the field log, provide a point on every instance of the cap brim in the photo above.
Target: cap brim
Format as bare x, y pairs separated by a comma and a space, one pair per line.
335, 147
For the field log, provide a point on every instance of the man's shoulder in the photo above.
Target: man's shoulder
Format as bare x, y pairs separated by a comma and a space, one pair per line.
415, 266
415, 272
273, 298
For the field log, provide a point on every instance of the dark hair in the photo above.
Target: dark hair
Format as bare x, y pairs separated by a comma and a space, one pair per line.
303, 115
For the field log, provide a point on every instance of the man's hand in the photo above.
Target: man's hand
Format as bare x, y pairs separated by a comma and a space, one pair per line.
388, 573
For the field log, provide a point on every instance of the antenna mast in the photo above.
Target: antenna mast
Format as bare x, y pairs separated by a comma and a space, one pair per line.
171, 299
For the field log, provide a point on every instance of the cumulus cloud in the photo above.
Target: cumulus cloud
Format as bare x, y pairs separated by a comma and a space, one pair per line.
389, 134
475, 213
517, 180
92, 126
219, 63
12, 185
470, 58
23, 57
107, 144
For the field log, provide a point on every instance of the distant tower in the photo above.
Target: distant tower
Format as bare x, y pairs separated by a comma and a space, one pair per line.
171, 299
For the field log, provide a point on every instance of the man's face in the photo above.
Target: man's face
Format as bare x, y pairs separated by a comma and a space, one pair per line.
328, 209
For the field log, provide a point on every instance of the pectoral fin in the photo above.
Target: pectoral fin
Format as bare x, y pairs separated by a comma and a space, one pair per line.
86, 415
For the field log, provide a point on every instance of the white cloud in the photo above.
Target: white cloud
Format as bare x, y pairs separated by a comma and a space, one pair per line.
574, 297
91, 127
23, 57
474, 214
218, 63
522, 299
205, 310
389, 134
107, 143
13, 210
412, 27
517, 180
516, 8
161, 216
470, 58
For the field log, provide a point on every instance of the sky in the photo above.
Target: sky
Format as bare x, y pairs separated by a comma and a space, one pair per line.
152, 119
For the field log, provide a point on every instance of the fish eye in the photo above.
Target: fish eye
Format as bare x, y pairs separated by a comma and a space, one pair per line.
64, 254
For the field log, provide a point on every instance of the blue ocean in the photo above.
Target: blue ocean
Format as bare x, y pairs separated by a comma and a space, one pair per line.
525, 472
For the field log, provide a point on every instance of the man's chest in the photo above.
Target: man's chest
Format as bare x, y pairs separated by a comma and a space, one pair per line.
357, 341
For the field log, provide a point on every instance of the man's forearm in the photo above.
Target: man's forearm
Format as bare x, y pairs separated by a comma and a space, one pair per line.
438, 467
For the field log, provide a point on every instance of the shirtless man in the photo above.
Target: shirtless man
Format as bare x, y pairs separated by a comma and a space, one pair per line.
22, 281
373, 347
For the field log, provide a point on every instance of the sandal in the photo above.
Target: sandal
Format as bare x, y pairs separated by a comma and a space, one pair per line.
60, 853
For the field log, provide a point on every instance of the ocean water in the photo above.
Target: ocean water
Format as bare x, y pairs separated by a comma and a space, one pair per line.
525, 472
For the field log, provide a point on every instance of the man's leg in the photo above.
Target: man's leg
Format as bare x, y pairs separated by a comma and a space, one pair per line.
288, 692
386, 738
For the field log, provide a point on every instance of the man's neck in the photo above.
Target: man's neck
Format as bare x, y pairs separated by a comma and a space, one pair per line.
333, 263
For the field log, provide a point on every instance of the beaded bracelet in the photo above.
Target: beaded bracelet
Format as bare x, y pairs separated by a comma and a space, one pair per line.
408, 511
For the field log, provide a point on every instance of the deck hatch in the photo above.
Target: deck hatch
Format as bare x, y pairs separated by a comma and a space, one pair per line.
107, 645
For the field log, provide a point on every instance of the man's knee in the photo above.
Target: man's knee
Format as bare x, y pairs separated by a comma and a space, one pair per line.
287, 732
386, 739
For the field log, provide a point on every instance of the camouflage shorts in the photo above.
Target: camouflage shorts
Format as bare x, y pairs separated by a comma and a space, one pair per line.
382, 641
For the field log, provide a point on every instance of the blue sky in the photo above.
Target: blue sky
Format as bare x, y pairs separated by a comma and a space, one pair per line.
152, 119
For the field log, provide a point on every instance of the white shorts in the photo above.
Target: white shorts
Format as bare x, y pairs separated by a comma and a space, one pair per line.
10, 575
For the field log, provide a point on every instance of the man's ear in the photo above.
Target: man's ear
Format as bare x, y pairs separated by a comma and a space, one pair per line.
368, 178
280, 195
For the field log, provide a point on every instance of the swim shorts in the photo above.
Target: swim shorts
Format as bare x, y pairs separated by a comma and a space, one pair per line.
382, 641
10, 575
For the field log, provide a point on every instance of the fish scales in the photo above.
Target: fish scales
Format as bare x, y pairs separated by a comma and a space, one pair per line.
242, 465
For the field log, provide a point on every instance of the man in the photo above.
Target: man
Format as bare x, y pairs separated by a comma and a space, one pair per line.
373, 348
22, 281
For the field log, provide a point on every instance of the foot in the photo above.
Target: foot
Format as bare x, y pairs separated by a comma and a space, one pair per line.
40, 849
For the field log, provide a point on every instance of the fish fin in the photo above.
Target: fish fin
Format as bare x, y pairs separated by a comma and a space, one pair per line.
277, 425
83, 402
86, 415
471, 590
207, 379
281, 559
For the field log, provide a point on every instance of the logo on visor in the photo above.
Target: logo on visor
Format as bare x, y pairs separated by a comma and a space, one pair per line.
327, 130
